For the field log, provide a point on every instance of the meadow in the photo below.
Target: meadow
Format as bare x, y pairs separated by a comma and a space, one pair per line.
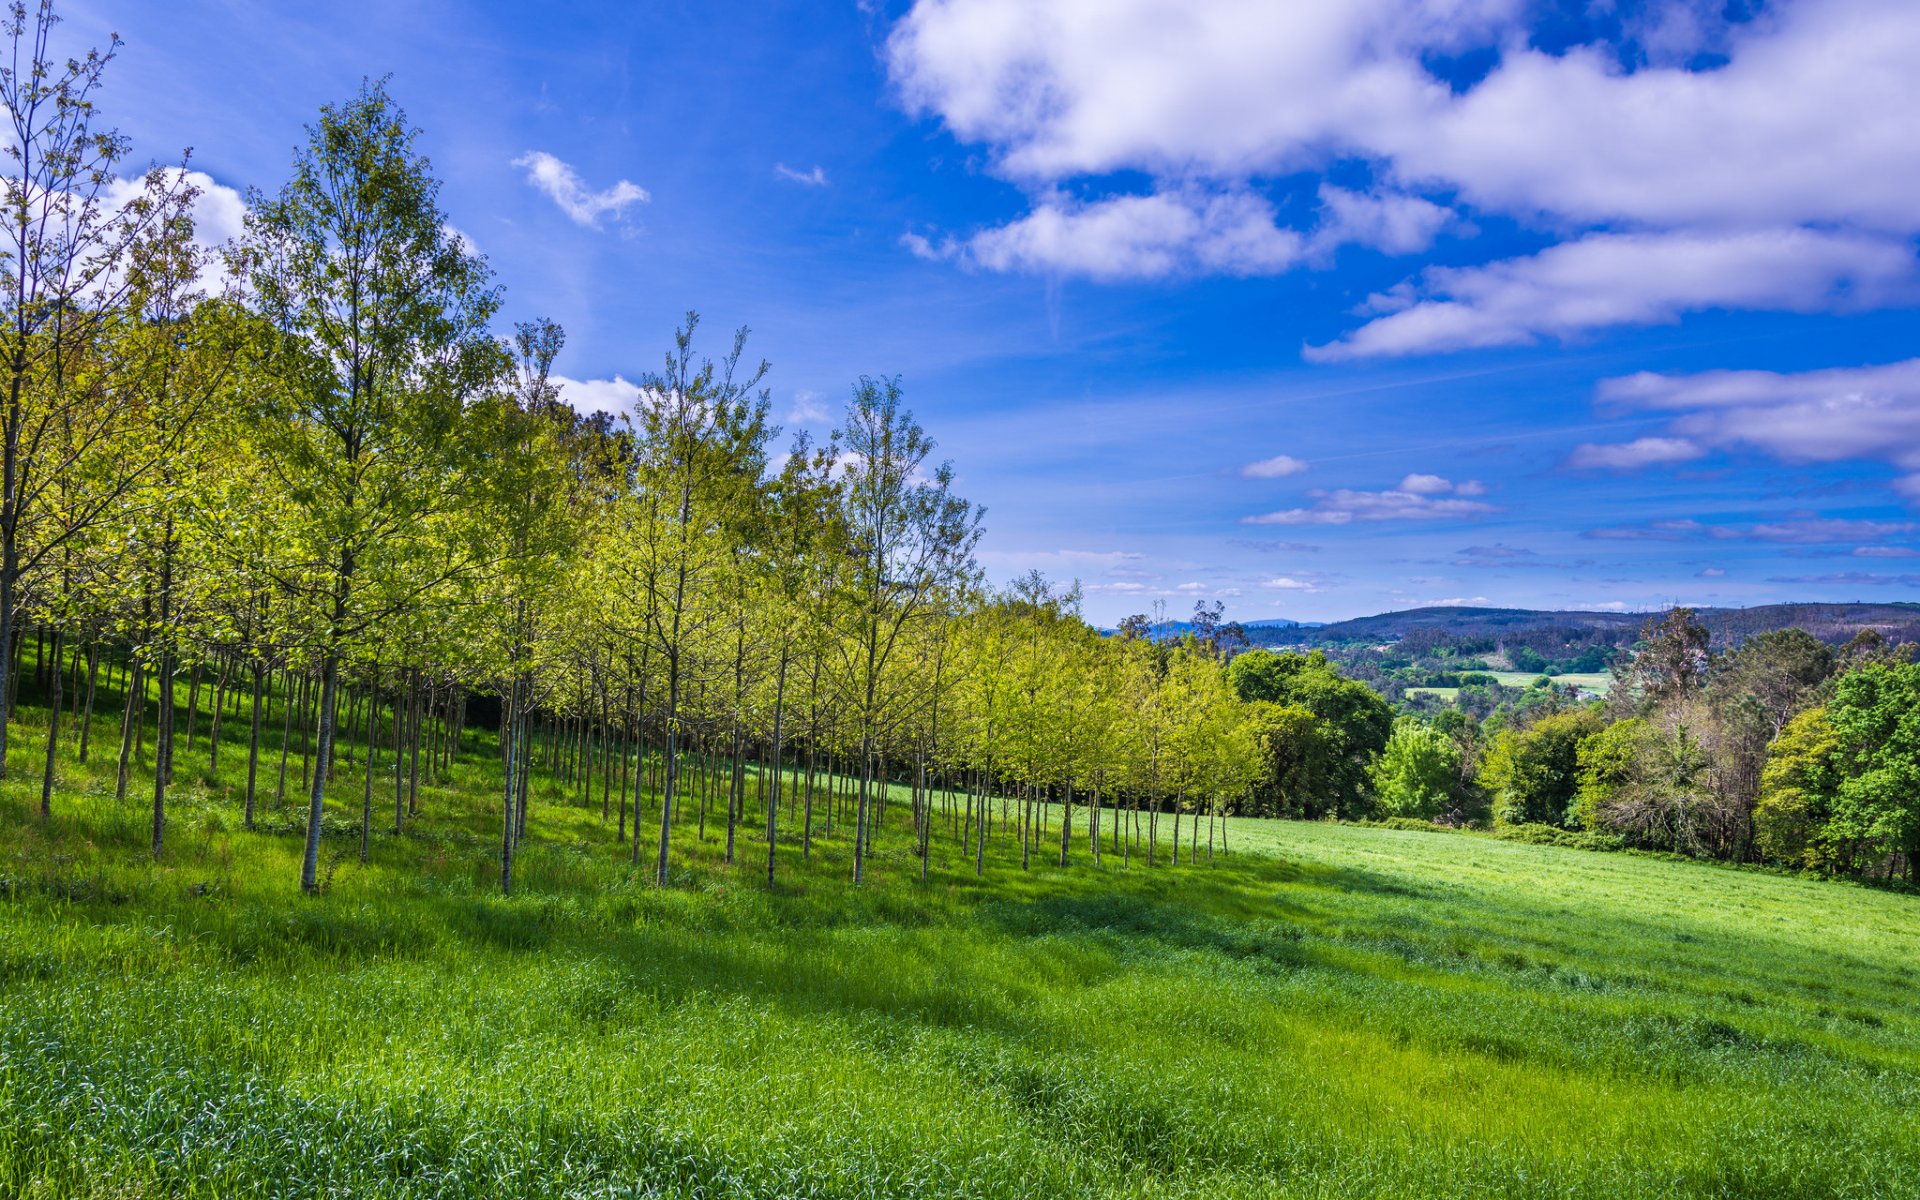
1325, 1011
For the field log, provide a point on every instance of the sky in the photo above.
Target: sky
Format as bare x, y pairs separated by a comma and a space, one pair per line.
1313, 309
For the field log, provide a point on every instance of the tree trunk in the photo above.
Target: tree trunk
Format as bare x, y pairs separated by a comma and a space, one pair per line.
253, 741
213, 727
86, 715
136, 692
53, 730
317, 795
163, 750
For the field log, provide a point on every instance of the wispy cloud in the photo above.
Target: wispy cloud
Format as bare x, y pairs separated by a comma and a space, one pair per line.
817, 177
1425, 500
1278, 467
1628, 456
563, 185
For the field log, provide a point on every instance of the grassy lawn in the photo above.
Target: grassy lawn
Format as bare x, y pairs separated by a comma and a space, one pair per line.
1327, 1011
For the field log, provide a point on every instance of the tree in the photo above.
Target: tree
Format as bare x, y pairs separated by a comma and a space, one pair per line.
382, 313
1417, 772
1875, 715
700, 454
911, 539
1797, 791
1672, 662
63, 281
1534, 773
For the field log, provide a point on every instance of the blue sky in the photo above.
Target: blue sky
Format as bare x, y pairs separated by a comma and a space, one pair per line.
1319, 310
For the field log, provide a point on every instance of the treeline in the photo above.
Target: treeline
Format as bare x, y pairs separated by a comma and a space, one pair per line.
1782, 749
305, 466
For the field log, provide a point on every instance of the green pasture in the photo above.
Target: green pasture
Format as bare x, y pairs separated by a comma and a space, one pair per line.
1324, 1011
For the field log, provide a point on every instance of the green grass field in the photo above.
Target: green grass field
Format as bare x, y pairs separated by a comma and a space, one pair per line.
1327, 1011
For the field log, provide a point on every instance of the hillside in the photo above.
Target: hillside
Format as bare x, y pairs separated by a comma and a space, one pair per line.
1326, 1011
1830, 622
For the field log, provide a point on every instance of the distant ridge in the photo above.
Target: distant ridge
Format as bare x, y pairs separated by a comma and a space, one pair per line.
1830, 622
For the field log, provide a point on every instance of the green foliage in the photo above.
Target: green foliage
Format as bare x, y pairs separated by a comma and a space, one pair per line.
1534, 774
1606, 762
1417, 773
1797, 794
1875, 716
1325, 763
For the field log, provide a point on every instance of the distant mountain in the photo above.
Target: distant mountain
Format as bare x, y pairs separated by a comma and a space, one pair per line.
1830, 622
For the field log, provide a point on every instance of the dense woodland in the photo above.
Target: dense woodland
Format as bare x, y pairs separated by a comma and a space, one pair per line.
1780, 748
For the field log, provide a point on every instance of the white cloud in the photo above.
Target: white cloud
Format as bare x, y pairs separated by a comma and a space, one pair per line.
808, 406
1278, 467
1869, 414
1343, 506
1287, 583
1394, 223
1627, 456
563, 185
1804, 531
1885, 552
1132, 237
1454, 602
1711, 572
1783, 179
1426, 485
817, 177
1608, 279
218, 212
614, 395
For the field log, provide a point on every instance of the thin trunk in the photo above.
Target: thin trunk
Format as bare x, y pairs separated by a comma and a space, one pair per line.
369, 723
317, 795
163, 750
213, 729
136, 689
86, 715
253, 741
53, 729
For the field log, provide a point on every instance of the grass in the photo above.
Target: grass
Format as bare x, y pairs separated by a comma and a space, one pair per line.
1328, 1011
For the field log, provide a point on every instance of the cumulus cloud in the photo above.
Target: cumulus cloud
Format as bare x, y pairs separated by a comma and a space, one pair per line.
1391, 222
807, 406
218, 212
1806, 125
1426, 485
1132, 237
1288, 583
1278, 467
614, 395
1869, 414
1628, 456
1609, 279
560, 183
816, 177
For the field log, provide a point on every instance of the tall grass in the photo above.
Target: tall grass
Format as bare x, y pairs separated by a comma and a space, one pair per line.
1328, 1011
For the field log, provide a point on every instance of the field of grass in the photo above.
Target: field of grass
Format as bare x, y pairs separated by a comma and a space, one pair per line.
1327, 1011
